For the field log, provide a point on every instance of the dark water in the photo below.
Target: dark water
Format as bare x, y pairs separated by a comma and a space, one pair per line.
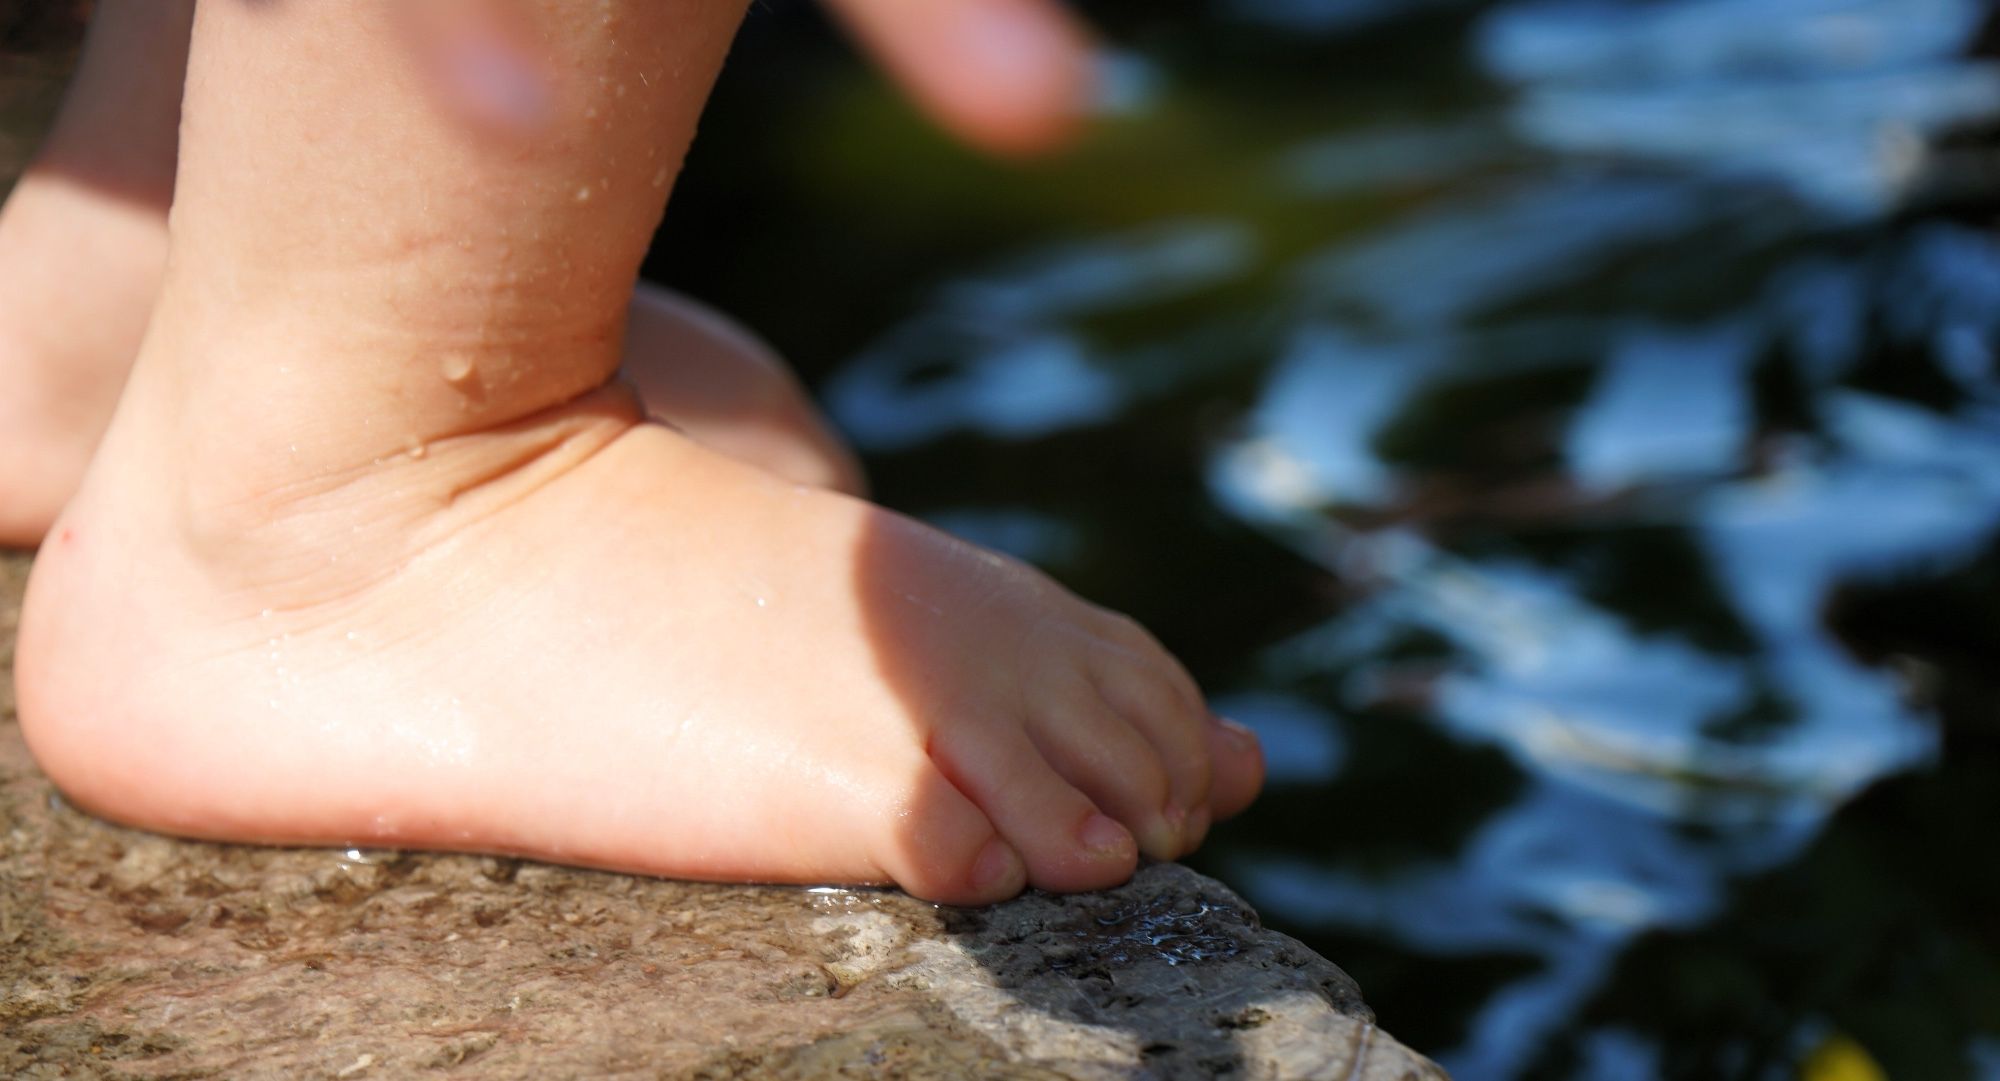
1568, 432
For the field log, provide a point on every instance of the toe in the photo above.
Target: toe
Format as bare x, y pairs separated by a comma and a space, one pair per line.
1098, 751
1067, 843
1174, 724
944, 849
1238, 767
1132, 636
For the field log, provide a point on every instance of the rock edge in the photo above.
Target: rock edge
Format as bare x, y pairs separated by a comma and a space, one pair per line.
127, 955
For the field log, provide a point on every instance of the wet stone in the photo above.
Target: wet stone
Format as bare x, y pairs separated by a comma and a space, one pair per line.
126, 955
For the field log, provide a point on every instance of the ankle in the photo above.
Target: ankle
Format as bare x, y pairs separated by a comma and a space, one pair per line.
297, 524
341, 369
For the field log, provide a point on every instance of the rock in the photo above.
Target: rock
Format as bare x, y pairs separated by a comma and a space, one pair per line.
128, 955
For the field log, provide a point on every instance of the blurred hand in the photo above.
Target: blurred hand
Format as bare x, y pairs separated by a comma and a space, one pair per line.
1008, 76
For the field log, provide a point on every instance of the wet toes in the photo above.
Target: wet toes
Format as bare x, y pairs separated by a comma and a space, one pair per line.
944, 849
1108, 760
1066, 842
1175, 726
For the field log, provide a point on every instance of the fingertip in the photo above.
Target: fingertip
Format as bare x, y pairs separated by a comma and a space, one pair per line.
1012, 77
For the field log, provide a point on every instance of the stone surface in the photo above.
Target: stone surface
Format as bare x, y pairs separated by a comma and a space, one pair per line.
129, 955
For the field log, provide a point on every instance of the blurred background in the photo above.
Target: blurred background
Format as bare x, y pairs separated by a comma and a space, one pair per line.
1568, 432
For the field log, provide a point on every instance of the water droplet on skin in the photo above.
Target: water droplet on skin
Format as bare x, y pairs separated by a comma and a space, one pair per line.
583, 194
763, 603
458, 368
418, 450
660, 179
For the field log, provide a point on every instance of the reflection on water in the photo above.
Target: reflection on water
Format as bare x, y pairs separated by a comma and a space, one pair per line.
997, 354
1833, 97
1554, 459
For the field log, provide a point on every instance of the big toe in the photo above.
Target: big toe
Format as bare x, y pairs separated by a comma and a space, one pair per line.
946, 850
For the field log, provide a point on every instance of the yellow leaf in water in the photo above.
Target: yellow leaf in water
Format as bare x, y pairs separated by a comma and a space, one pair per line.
1839, 1058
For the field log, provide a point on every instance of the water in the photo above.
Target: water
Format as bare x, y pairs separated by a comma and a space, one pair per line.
1568, 432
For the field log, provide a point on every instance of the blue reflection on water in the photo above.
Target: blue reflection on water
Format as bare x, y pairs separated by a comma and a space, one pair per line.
1669, 405
1534, 876
1462, 260
998, 354
1833, 97
1302, 743
1687, 205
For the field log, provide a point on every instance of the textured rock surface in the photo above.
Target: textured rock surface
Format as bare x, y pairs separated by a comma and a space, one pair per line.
128, 955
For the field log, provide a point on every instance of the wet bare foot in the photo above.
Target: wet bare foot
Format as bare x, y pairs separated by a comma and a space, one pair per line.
79, 270
589, 639
377, 549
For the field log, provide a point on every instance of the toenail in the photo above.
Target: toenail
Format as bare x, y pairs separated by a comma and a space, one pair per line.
1104, 836
1197, 828
1239, 736
997, 867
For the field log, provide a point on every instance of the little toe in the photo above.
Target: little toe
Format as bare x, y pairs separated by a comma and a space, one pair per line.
946, 850
1133, 637
1067, 843
1238, 767
1175, 725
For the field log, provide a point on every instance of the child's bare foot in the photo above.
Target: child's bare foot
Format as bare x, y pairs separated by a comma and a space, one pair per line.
376, 551
583, 639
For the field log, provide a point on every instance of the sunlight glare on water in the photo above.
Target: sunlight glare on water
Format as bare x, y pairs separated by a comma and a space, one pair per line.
1576, 403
